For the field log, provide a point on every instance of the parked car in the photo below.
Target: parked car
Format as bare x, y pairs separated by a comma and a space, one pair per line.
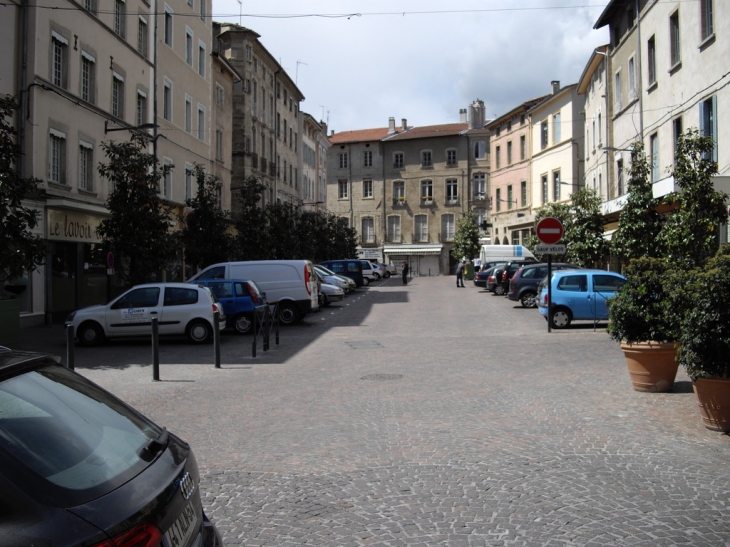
368, 272
390, 269
327, 276
330, 294
291, 283
504, 273
523, 285
81, 468
351, 268
378, 269
579, 294
239, 299
482, 277
181, 308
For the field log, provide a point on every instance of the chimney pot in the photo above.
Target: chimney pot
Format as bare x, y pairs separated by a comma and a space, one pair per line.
391, 126
404, 124
555, 84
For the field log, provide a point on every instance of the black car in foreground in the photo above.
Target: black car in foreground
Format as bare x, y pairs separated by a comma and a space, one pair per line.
78, 467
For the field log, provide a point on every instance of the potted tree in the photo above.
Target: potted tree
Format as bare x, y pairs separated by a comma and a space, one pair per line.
643, 321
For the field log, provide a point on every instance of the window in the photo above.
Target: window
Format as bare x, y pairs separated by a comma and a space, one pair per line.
707, 25
651, 60
141, 107
426, 159
544, 185
573, 283
452, 189
59, 46
342, 189
498, 156
399, 190
86, 166
398, 160
447, 227
509, 153
57, 157
426, 190
556, 128
523, 193
451, 158
394, 229
708, 122
498, 199
188, 181
219, 144
142, 36
167, 179
654, 147
343, 160
201, 122
632, 80
202, 9
219, 95
480, 150
90, 6
367, 188
593, 125
120, 18
88, 76
190, 3
510, 199
189, 47
420, 228
600, 130
543, 135
480, 185
617, 105
201, 59
167, 101
620, 178
523, 147
367, 158
676, 133
117, 95
556, 185
675, 54
600, 182
368, 230
180, 297
168, 26
188, 114
285, 126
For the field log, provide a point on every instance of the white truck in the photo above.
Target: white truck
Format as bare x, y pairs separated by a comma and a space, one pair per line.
503, 253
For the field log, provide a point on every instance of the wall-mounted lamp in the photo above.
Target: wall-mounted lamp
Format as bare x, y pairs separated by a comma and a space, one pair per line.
142, 127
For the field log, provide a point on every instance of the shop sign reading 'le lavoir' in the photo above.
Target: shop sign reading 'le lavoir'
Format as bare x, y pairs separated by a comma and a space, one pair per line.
64, 225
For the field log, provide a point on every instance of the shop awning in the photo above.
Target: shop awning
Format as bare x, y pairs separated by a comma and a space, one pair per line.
413, 249
608, 234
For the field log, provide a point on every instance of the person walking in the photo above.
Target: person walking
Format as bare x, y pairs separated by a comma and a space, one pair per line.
405, 272
460, 274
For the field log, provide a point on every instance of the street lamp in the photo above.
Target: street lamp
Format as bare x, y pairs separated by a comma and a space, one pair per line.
142, 127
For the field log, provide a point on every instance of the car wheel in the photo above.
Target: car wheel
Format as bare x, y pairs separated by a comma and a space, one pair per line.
325, 302
365, 282
499, 290
528, 299
90, 334
243, 323
561, 318
199, 331
387, 275
288, 313
377, 277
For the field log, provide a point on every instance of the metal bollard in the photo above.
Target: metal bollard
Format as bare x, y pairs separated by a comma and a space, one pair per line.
70, 346
216, 339
155, 350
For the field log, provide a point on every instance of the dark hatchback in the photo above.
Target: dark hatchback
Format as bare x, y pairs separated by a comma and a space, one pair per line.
482, 277
78, 467
523, 284
503, 274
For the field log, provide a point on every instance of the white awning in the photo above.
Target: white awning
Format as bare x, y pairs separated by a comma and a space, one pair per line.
608, 234
413, 249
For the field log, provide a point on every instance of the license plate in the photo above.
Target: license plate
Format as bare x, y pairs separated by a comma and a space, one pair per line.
185, 525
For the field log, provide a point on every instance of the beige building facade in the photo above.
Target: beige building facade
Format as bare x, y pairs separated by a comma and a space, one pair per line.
313, 164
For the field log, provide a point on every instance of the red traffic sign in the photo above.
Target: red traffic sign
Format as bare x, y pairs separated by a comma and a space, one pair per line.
549, 230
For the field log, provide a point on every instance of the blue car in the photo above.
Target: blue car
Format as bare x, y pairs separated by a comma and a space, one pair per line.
238, 297
579, 294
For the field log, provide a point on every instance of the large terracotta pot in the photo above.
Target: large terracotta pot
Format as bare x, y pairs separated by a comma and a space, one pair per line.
713, 398
652, 365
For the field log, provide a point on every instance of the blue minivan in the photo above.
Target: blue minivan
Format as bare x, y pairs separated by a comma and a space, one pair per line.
350, 268
239, 298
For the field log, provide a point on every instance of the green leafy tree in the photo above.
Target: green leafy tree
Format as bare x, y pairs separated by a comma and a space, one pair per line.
690, 233
562, 212
584, 233
205, 236
21, 251
639, 223
466, 238
252, 239
138, 228
282, 220
342, 240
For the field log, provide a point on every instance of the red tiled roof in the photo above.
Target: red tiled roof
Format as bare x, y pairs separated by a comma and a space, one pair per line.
442, 130
360, 135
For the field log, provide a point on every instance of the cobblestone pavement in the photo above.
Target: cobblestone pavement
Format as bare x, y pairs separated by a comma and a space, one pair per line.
426, 415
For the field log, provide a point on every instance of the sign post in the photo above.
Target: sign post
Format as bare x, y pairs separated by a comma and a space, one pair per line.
549, 232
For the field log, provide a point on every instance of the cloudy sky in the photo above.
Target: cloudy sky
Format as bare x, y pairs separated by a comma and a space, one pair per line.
422, 60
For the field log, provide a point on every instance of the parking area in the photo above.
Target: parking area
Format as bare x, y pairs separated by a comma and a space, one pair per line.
429, 415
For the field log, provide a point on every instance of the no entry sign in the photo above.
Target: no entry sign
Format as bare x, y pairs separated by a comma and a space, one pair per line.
549, 230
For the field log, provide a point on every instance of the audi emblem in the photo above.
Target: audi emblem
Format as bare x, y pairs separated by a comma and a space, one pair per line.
187, 486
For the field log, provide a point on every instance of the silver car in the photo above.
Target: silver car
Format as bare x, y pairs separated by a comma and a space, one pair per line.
330, 294
181, 308
330, 277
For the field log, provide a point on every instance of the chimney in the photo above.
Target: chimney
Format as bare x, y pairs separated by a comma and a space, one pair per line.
332, 132
404, 124
462, 115
555, 84
476, 114
391, 126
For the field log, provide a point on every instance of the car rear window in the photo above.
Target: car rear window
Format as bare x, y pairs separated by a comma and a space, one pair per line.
222, 289
573, 283
72, 438
176, 296
352, 267
607, 283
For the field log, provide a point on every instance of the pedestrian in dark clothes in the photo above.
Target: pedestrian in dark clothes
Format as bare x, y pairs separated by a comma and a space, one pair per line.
460, 274
405, 272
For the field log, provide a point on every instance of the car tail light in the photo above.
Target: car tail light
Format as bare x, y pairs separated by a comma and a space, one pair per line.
144, 535
306, 279
252, 293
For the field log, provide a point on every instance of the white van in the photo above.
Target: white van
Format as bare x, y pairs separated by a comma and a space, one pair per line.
504, 253
291, 283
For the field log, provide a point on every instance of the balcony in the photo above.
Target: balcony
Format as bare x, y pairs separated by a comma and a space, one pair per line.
255, 161
399, 201
272, 169
454, 201
421, 238
394, 237
427, 200
263, 165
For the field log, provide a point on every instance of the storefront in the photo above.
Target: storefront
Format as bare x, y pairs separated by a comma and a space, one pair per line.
423, 260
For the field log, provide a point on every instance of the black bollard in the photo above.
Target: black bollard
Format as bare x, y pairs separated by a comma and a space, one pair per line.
155, 350
216, 339
70, 346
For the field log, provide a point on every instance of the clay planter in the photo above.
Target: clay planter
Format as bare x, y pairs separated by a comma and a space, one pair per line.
713, 398
652, 365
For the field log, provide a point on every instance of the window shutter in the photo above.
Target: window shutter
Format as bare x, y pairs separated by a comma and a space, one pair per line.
713, 121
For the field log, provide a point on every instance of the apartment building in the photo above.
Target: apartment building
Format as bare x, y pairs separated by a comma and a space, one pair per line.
557, 146
266, 118
511, 216
314, 164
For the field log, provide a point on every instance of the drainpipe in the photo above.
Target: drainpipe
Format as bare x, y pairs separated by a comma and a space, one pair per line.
349, 193
385, 194
639, 79
23, 82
